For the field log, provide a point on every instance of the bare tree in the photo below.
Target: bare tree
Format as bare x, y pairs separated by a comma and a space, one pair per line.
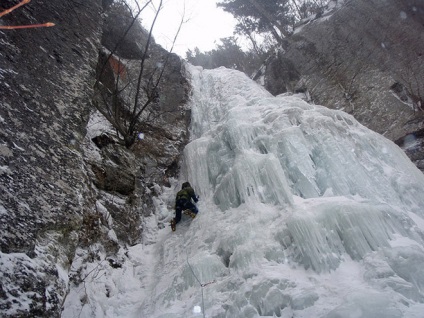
127, 97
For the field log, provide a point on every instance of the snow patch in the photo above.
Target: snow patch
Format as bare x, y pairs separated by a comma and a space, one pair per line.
112, 236
17, 147
3, 210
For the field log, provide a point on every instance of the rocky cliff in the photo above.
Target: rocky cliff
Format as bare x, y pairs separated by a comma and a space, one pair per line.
365, 57
70, 192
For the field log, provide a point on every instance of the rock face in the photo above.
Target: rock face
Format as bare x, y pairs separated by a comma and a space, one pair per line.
365, 57
67, 185
45, 77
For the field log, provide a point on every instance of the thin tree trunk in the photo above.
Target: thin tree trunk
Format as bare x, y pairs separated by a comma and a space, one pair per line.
276, 35
247, 32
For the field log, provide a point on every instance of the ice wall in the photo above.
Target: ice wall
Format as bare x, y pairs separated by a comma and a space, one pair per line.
303, 213
249, 145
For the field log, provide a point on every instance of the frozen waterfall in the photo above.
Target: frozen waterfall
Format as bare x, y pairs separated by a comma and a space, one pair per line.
303, 213
286, 187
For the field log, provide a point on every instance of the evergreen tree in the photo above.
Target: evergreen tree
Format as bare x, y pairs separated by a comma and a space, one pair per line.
276, 17
228, 54
272, 16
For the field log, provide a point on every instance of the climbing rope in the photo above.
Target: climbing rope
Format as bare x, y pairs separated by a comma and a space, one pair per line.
200, 284
198, 280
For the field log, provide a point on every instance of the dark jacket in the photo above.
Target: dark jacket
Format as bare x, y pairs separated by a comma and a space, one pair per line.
186, 194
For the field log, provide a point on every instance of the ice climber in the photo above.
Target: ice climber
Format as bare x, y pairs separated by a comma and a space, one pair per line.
183, 202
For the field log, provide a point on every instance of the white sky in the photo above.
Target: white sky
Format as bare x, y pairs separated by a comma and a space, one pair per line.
206, 24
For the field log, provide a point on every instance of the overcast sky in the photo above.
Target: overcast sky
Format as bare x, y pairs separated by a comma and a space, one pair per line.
206, 24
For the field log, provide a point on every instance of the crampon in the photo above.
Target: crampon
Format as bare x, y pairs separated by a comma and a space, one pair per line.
190, 213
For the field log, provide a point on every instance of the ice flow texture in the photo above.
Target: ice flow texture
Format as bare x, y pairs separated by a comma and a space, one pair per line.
288, 186
303, 213
249, 146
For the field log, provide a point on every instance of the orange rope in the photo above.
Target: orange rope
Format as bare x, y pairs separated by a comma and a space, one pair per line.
11, 27
30, 26
14, 7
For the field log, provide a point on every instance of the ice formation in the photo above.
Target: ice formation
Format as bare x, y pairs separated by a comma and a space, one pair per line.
303, 213
296, 186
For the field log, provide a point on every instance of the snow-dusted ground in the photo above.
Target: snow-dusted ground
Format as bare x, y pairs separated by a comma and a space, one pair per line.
303, 213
